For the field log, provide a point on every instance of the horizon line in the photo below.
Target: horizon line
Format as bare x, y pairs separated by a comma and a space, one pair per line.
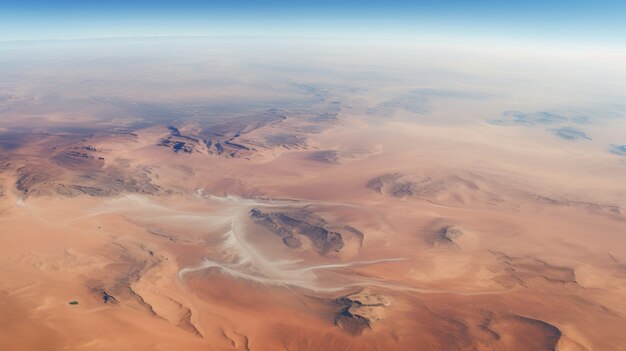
441, 39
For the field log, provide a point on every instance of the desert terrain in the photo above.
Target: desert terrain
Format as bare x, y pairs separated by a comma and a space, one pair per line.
398, 203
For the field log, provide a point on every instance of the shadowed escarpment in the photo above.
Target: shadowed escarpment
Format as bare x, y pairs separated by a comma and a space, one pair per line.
294, 228
36, 180
358, 311
78, 159
70, 166
446, 236
243, 136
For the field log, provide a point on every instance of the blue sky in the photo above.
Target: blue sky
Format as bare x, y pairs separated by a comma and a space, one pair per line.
600, 21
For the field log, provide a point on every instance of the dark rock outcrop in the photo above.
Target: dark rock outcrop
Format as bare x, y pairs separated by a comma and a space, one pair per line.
29, 176
76, 159
446, 236
325, 156
36, 180
4, 165
292, 227
448, 189
357, 312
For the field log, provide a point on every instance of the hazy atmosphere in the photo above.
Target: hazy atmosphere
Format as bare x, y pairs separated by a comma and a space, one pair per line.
313, 176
